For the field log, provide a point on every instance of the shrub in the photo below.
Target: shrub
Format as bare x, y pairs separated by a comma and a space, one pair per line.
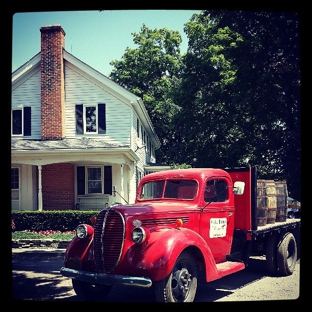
63, 220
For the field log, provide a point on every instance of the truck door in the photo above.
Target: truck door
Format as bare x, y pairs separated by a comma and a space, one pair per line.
217, 217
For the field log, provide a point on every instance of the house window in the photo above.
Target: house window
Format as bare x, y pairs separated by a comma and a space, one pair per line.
138, 128
21, 122
15, 183
94, 180
91, 119
90, 123
148, 145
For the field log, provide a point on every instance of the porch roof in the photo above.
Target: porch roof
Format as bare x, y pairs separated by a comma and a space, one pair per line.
43, 152
62, 144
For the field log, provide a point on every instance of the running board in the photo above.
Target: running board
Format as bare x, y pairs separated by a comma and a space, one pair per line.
229, 267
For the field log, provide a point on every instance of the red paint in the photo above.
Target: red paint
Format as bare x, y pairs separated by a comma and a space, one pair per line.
177, 220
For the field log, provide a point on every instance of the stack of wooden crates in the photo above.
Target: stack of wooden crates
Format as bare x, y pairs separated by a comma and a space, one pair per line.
271, 201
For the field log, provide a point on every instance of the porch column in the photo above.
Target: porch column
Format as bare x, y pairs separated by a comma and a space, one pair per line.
132, 187
122, 181
39, 188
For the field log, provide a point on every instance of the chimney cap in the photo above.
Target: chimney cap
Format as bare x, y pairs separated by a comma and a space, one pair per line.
55, 27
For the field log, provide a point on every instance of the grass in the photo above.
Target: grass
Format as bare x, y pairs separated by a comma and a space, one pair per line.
58, 235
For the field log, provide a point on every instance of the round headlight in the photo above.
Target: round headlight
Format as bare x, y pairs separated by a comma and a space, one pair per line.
138, 235
81, 231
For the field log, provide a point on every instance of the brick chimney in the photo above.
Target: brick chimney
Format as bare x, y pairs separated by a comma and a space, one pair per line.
52, 82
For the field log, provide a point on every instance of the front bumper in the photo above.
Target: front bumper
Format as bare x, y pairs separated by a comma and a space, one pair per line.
100, 278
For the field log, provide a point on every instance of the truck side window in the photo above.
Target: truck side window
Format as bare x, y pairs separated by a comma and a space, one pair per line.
216, 191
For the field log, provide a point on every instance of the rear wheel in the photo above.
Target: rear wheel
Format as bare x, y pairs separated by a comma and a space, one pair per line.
271, 254
181, 284
287, 254
91, 292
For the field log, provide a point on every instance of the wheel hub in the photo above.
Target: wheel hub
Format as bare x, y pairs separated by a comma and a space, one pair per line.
181, 281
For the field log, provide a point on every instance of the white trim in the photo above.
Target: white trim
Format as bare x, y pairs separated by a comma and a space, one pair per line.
31, 64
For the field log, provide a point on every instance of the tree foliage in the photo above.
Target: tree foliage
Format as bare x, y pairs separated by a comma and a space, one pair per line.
247, 93
233, 99
150, 71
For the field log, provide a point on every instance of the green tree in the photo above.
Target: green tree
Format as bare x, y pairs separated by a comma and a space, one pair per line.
151, 71
240, 93
209, 120
233, 99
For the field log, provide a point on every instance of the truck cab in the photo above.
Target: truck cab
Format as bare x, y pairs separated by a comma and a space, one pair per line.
203, 197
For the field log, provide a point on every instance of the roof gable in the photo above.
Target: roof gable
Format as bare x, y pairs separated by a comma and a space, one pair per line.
27, 69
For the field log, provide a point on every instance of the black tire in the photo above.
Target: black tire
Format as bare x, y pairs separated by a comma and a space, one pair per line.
91, 292
286, 254
181, 284
271, 254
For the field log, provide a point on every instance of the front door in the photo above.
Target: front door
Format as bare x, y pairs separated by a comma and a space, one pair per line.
217, 217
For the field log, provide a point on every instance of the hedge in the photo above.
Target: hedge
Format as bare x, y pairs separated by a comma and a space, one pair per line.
63, 220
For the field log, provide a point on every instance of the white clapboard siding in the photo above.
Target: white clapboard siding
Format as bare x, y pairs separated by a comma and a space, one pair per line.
80, 90
28, 94
138, 142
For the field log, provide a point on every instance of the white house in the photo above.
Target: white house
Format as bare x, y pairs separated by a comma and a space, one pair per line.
75, 133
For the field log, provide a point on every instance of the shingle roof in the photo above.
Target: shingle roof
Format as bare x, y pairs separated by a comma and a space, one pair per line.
66, 144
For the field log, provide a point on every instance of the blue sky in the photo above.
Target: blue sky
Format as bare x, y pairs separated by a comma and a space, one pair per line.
95, 37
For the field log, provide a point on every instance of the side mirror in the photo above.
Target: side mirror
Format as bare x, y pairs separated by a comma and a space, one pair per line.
239, 187
114, 191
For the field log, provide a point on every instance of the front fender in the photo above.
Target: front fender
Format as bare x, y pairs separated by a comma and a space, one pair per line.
78, 254
156, 260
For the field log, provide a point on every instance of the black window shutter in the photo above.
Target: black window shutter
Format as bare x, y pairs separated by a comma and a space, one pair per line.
102, 119
27, 121
81, 180
79, 119
108, 180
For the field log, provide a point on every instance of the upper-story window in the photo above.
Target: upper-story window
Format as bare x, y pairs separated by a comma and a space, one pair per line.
90, 119
21, 121
138, 127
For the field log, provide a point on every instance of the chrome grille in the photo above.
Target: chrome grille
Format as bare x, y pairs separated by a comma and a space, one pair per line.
109, 231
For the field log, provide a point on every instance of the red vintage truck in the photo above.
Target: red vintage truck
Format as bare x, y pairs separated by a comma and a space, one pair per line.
182, 221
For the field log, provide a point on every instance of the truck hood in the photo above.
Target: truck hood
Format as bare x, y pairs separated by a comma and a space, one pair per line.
155, 207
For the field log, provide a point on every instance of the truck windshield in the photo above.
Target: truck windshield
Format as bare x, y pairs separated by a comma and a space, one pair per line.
177, 189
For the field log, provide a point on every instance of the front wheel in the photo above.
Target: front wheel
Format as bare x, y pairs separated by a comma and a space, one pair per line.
91, 292
181, 284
